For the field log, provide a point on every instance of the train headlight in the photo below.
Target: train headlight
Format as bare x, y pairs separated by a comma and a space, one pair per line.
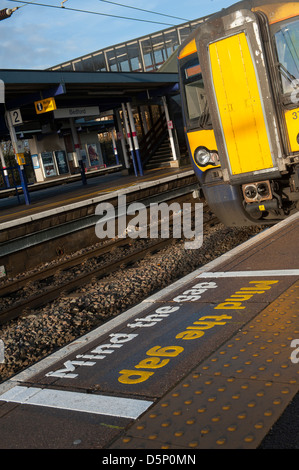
203, 157
215, 158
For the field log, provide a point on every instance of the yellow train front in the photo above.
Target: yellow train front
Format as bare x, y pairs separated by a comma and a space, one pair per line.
239, 80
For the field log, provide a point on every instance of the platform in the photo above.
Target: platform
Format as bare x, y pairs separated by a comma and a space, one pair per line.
207, 363
52, 195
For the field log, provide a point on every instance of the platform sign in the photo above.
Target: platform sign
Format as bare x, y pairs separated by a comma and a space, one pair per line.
45, 106
20, 152
35, 162
16, 117
77, 112
21, 159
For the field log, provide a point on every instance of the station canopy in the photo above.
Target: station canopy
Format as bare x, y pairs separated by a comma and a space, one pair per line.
107, 90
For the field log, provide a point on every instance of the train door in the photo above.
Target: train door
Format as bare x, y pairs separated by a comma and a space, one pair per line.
241, 102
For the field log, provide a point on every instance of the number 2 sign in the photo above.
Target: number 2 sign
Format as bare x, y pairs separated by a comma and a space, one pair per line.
16, 117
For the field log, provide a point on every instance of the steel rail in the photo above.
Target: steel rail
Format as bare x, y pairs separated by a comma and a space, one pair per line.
77, 259
50, 294
53, 293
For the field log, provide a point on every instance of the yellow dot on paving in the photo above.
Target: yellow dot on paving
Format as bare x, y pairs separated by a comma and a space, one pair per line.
232, 428
221, 441
193, 444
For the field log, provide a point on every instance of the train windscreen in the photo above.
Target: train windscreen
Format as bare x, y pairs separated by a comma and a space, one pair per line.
196, 103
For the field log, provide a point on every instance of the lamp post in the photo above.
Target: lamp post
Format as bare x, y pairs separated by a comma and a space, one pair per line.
7, 12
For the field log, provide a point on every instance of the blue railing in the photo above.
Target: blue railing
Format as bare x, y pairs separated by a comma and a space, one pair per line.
10, 181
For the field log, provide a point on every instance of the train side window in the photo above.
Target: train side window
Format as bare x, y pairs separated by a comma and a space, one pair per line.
287, 47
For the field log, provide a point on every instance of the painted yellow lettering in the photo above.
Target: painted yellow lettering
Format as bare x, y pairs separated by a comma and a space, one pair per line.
240, 297
250, 290
192, 334
133, 377
230, 306
152, 363
215, 317
259, 286
168, 351
263, 282
206, 325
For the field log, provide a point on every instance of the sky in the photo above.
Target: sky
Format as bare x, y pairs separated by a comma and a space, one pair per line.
38, 37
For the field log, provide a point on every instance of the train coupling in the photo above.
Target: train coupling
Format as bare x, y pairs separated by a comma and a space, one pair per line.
257, 192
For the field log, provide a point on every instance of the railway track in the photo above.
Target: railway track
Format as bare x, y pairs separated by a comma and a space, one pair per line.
50, 290
52, 293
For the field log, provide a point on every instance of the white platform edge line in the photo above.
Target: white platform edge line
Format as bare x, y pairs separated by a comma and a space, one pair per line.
125, 316
261, 273
79, 402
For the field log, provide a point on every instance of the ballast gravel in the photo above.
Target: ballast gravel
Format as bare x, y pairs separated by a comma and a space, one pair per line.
30, 338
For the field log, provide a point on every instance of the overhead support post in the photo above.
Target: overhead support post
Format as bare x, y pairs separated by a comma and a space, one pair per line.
144, 121
171, 139
19, 156
135, 138
114, 147
78, 149
129, 138
122, 140
5, 172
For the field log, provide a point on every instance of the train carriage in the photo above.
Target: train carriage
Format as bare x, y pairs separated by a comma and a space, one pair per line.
239, 80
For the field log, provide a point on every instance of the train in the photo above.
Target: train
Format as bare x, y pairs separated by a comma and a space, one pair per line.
239, 86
